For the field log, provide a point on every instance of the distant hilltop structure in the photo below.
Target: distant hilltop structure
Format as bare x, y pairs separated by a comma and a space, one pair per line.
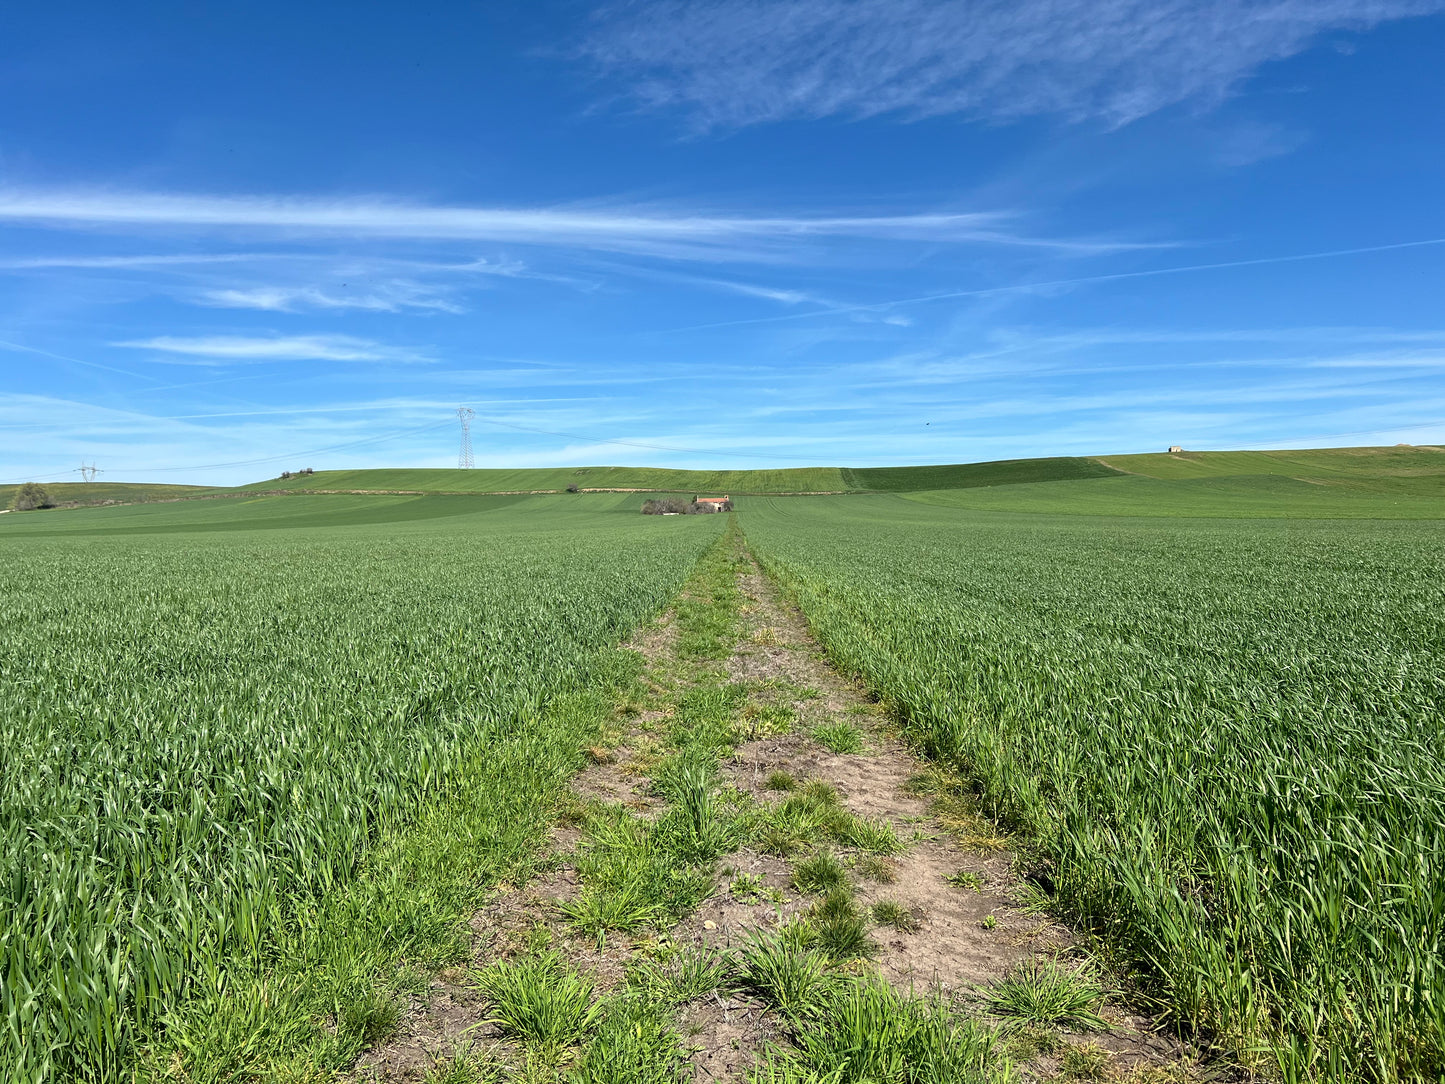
1175, 449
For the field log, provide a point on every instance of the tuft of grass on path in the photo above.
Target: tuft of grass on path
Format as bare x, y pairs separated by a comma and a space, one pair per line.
1042, 992
540, 1000
841, 737
862, 1031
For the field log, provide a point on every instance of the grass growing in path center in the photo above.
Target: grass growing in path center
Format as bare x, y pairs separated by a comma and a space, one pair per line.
645, 872
637, 873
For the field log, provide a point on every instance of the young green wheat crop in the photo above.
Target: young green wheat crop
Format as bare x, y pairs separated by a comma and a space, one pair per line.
1225, 739
202, 733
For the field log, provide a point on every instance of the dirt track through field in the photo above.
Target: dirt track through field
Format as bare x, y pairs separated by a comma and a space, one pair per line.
971, 917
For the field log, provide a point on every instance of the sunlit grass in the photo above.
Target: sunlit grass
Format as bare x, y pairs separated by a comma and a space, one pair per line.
1218, 743
292, 756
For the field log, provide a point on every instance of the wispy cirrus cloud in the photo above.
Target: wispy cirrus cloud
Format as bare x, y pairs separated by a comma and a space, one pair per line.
731, 63
122, 263
785, 297
644, 230
223, 349
304, 278
394, 297
148, 261
1286, 335
1058, 285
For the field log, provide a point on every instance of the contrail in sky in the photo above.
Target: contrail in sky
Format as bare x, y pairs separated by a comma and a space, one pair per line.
1082, 281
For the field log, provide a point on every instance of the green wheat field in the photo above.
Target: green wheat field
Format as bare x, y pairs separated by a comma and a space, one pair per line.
258, 744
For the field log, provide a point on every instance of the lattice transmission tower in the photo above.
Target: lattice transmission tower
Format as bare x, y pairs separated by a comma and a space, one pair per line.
464, 457
89, 471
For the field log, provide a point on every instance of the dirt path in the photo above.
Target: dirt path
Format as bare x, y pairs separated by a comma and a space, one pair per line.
947, 916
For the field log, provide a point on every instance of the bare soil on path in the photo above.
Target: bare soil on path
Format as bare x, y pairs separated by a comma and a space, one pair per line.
972, 918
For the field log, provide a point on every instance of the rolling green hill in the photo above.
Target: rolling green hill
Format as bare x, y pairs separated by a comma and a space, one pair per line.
1000, 472
552, 479
1305, 482
1344, 466
1401, 470
1259, 496
663, 479
96, 492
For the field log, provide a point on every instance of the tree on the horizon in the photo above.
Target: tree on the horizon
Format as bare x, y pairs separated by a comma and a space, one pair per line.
30, 496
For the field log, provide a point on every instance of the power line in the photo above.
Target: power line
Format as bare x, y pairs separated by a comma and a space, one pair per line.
36, 477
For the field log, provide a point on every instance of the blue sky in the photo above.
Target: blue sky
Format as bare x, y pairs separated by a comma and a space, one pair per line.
756, 233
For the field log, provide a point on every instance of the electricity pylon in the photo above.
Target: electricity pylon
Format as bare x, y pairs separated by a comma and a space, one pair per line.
464, 457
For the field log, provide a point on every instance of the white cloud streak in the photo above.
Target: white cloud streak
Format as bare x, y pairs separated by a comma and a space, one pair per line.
731, 63
677, 234
105, 263
784, 297
396, 297
1149, 336
222, 349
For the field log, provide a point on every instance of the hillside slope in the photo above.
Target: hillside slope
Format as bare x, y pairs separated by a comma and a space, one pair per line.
1257, 496
1400, 466
1000, 472
553, 479
98, 492
664, 479
1397, 471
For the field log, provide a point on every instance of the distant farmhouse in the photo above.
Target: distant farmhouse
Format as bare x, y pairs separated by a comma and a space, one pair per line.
675, 506
1175, 449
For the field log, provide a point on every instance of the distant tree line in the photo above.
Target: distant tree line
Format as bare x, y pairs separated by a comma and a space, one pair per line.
296, 473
